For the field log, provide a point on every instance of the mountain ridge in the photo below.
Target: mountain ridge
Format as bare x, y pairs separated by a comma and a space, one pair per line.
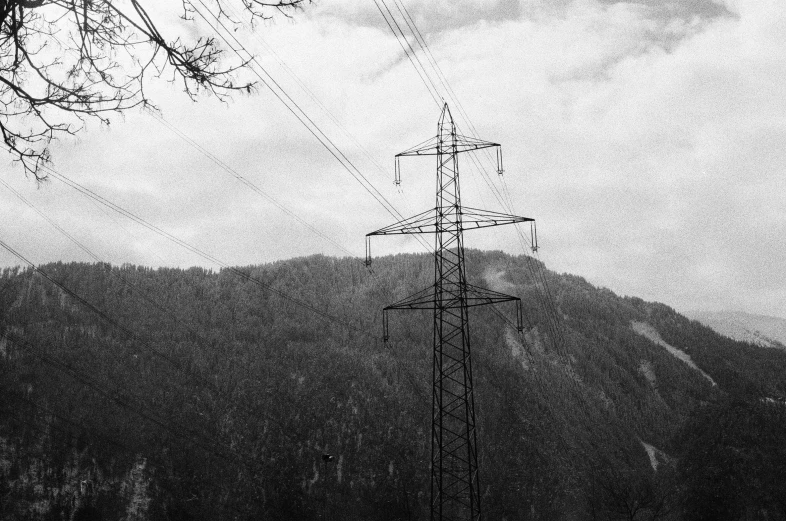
762, 330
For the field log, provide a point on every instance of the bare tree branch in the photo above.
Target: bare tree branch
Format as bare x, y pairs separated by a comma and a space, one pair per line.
63, 62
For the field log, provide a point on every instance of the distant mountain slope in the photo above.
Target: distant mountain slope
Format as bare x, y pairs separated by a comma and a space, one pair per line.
745, 327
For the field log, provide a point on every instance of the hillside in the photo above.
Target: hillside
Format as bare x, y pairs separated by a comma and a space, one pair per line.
193, 394
745, 327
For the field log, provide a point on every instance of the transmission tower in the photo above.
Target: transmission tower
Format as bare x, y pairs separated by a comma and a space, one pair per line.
455, 488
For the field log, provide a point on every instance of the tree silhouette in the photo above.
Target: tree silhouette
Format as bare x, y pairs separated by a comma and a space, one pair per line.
65, 61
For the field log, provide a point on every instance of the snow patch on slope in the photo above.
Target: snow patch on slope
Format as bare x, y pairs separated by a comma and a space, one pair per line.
495, 278
516, 349
652, 454
645, 368
656, 455
651, 334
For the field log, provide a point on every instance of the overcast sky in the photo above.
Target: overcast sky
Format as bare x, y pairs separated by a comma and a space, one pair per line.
647, 138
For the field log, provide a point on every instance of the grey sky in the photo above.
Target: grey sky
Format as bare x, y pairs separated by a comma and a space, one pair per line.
648, 139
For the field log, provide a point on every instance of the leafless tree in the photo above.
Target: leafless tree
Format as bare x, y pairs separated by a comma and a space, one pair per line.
63, 62
631, 496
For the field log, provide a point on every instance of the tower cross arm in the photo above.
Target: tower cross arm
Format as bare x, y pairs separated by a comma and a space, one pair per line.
423, 299
477, 296
468, 218
433, 146
473, 297
421, 223
472, 218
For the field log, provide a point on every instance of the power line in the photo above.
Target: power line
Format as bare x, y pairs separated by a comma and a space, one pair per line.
428, 84
191, 142
503, 196
245, 181
139, 220
288, 70
421, 41
279, 92
209, 384
108, 319
136, 289
431, 60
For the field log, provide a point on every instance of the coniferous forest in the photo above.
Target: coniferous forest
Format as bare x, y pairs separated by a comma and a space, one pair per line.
130, 393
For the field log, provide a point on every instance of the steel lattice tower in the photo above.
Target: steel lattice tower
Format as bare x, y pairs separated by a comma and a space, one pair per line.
455, 489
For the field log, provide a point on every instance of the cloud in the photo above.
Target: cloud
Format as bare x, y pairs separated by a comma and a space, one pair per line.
435, 17
430, 16
698, 130
647, 138
683, 9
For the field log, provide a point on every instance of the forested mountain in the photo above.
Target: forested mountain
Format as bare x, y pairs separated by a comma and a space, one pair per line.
134, 393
